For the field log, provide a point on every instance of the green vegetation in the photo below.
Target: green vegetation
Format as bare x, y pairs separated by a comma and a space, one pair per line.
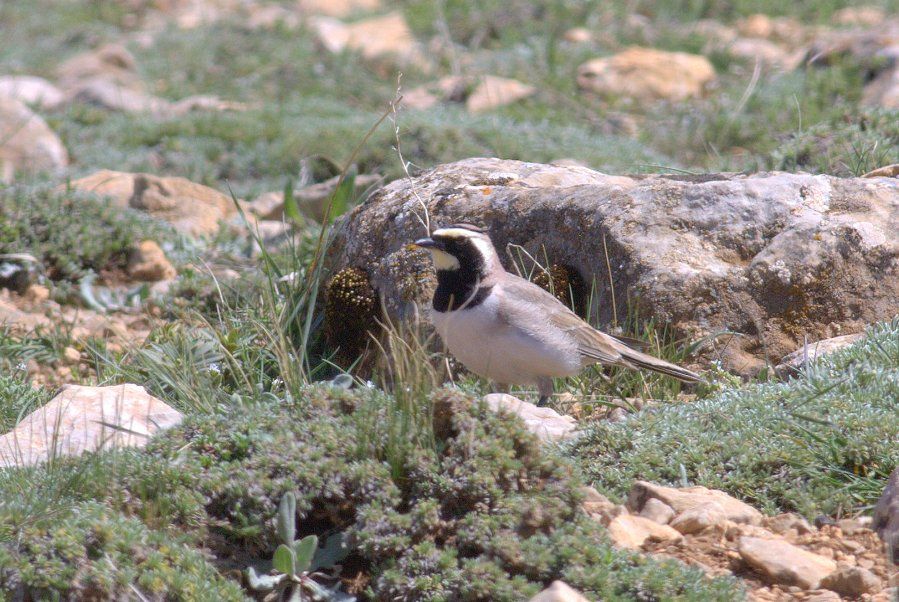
485, 514
435, 497
71, 233
824, 442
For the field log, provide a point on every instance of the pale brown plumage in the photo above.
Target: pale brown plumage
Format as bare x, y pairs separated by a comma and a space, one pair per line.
593, 345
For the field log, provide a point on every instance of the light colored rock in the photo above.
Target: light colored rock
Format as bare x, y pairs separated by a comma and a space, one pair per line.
796, 360
699, 518
883, 90
690, 498
27, 144
859, 15
493, 92
632, 531
852, 582
886, 516
887, 171
658, 511
559, 591
824, 596
756, 26
709, 251
783, 523
599, 507
191, 208
71, 355
759, 49
112, 62
31, 90
337, 8
785, 564
546, 423
646, 74
19, 321
86, 419
149, 263
376, 39
578, 35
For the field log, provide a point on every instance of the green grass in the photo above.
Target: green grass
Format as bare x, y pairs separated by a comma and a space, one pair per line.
71, 233
821, 443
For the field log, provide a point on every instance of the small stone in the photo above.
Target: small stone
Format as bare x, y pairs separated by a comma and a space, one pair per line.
578, 35
782, 523
852, 582
630, 531
658, 511
824, 595
699, 518
71, 355
546, 423
785, 564
559, 591
149, 263
37, 293
493, 92
646, 74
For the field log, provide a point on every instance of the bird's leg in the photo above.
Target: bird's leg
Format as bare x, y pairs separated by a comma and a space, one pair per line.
545, 388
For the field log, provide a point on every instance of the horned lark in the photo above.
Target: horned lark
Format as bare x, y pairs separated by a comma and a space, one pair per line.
509, 330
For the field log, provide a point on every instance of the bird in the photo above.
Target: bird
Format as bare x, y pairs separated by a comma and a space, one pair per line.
509, 330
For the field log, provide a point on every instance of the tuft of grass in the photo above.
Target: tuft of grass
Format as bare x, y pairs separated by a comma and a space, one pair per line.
821, 443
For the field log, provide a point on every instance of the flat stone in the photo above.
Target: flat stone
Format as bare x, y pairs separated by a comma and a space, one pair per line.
631, 531
785, 564
86, 419
699, 518
647, 74
852, 582
812, 351
493, 92
658, 511
688, 498
546, 423
559, 591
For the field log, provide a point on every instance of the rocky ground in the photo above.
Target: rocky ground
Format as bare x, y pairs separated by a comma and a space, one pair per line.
205, 284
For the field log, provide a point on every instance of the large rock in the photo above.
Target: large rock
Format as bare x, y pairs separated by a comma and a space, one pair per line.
86, 419
385, 40
190, 207
646, 74
785, 564
27, 144
886, 516
777, 257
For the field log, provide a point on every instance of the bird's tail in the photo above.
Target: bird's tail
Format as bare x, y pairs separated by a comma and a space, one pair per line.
639, 359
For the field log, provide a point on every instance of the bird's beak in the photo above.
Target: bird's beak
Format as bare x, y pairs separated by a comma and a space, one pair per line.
426, 243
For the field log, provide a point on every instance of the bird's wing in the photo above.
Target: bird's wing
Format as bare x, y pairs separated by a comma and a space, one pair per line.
541, 305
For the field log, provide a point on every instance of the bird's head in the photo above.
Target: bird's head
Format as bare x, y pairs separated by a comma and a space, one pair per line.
461, 247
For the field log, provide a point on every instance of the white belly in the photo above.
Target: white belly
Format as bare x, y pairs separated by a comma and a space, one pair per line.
495, 351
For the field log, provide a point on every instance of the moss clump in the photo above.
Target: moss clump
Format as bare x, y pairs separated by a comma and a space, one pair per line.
93, 554
351, 310
561, 281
